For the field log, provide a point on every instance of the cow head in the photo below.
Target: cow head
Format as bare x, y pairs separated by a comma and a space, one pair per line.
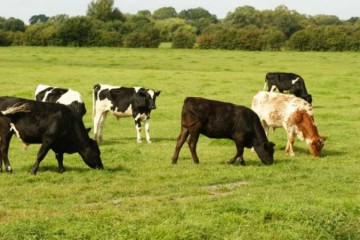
148, 97
91, 155
265, 151
315, 145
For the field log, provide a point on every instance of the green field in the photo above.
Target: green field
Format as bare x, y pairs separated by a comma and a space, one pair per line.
141, 195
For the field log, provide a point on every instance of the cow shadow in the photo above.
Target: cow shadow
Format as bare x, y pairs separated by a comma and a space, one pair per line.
54, 169
305, 151
132, 140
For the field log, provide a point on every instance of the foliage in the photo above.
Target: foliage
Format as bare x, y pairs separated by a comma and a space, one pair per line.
164, 13
14, 25
76, 31
41, 35
5, 38
140, 195
104, 10
246, 28
184, 37
168, 27
144, 39
41, 18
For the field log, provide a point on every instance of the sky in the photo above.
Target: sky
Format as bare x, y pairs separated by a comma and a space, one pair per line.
24, 9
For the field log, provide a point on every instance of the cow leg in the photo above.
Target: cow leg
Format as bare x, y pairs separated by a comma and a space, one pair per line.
147, 130
60, 158
289, 150
239, 153
180, 142
138, 129
4, 150
192, 142
99, 121
44, 149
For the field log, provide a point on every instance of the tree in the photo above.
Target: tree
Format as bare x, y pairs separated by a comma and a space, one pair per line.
184, 37
168, 27
243, 16
76, 31
165, 13
286, 20
145, 13
104, 10
58, 19
200, 18
41, 18
14, 25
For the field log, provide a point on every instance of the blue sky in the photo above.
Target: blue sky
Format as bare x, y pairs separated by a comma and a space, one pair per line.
24, 9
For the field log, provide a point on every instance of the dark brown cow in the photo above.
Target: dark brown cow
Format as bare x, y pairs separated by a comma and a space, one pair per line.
216, 119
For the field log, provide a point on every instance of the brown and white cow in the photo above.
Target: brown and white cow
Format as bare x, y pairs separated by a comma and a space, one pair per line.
294, 114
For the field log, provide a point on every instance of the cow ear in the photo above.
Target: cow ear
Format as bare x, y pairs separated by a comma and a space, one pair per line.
88, 130
323, 139
157, 93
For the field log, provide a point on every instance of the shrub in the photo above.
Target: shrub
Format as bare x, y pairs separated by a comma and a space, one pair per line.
148, 39
183, 39
5, 38
207, 41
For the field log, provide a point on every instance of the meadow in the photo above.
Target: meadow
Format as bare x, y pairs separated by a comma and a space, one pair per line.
141, 195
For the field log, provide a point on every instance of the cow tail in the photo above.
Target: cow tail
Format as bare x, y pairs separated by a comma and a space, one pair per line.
16, 108
189, 117
95, 92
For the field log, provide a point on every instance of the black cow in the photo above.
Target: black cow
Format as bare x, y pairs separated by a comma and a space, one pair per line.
52, 125
123, 102
216, 119
291, 82
65, 96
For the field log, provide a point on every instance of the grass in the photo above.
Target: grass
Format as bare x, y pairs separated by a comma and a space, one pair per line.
140, 195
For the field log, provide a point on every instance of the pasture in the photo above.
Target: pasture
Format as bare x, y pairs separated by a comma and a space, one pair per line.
141, 195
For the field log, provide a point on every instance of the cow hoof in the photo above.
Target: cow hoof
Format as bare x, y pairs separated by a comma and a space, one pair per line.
149, 141
230, 162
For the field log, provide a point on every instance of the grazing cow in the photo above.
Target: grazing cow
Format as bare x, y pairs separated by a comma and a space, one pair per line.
68, 97
52, 125
123, 102
216, 119
294, 114
287, 82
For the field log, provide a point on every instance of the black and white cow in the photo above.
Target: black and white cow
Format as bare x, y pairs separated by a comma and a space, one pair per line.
52, 125
291, 82
136, 102
216, 119
66, 96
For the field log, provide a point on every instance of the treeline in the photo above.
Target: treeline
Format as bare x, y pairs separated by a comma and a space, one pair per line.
246, 28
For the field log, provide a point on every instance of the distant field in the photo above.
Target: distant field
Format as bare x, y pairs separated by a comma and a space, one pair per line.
140, 195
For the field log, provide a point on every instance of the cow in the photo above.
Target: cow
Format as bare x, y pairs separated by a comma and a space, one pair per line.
66, 96
136, 102
52, 125
294, 114
290, 82
216, 119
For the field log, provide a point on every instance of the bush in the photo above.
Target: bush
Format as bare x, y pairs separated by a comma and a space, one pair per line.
148, 39
5, 38
41, 35
207, 41
183, 39
105, 38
